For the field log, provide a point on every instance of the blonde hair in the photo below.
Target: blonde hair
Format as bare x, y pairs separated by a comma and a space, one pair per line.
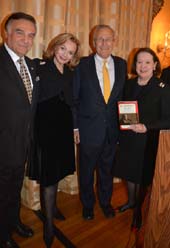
59, 40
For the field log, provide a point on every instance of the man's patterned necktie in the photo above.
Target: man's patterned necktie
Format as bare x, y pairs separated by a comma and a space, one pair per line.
25, 78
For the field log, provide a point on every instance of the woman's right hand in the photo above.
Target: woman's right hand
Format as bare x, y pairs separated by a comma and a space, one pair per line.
138, 128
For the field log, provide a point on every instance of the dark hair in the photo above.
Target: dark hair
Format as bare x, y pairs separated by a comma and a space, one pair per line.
18, 16
157, 70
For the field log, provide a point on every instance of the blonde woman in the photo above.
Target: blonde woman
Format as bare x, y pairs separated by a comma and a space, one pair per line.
53, 124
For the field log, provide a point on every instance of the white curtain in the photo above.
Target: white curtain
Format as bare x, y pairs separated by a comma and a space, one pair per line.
131, 20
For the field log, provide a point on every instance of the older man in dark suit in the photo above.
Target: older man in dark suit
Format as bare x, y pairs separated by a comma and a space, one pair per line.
96, 119
16, 108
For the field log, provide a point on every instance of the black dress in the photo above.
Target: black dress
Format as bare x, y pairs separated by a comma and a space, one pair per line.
53, 152
137, 151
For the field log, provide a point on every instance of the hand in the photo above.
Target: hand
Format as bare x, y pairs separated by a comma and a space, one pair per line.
76, 137
138, 128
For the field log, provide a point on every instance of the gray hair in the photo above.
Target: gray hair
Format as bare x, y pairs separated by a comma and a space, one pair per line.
99, 27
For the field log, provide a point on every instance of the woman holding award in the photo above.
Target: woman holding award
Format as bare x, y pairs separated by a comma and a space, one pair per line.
138, 145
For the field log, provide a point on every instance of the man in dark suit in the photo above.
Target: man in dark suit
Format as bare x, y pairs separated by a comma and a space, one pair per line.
166, 75
16, 113
96, 120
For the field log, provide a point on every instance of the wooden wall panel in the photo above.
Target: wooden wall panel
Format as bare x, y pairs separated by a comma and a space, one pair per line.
157, 229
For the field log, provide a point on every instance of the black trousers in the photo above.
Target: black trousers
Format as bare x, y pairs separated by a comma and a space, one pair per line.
99, 157
11, 179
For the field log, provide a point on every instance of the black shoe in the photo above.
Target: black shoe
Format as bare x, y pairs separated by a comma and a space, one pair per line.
58, 215
125, 207
10, 243
136, 222
88, 213
23, 230
108, 211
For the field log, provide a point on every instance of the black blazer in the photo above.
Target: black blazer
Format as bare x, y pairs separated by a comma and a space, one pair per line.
136, 158
16, 111
92, 116
153, 100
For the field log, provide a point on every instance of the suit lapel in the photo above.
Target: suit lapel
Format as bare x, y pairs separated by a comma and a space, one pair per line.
10, 68
116, 86
31, 67
12, 72
94, 79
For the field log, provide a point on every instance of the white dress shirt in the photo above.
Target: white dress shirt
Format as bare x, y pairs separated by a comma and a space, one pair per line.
99, 69
15, 59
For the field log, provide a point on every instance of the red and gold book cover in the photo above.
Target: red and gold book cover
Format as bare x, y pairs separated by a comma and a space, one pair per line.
128, 114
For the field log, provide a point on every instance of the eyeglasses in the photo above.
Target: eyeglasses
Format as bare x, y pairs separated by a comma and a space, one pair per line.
104, 40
